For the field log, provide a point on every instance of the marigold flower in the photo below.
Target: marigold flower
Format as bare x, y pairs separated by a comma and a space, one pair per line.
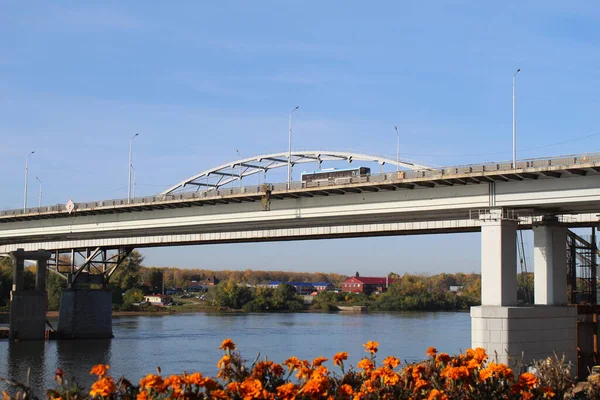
224, 361
175, 382
251, 388
442, 358
420, 384
391, 362
345, 390
287, 391
431, 352
233, 387
277, 370
5, 395
455, 373
219, 394
210, 384
365, 364
227, 345
142, 395
194, 379
103, 387
437, 395
316, 387
319, 361
528, 379
371, 347
339, 358
151, 381
99, 369
292, 363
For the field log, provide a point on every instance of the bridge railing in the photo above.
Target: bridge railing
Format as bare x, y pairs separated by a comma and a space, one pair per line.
384, 177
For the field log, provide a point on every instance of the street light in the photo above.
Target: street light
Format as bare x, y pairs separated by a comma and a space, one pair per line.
515, 120
134, 181
26, 173
40, 202
289, 177
129, 170
397, 150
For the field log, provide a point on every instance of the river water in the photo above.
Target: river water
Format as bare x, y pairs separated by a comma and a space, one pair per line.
189, 342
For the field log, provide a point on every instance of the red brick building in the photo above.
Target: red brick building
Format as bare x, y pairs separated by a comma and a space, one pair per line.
366, 285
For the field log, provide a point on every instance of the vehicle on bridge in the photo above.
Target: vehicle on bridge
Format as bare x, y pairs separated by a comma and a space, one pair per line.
332, 175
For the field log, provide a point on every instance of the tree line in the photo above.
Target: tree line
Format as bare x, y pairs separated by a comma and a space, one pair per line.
409, 292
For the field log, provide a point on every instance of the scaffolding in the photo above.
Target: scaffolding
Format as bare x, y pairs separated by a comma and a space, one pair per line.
582, 277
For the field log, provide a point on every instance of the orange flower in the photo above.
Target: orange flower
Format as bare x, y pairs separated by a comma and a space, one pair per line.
391, 362
99, 369
345, 390
420, 384
227, 345
442, 358
152, 382
316, 387
175, 382
277, 370
103, 387
233, 387
292, 363
437, 395
455, 373
548, 392
287, 391
528, 379
142, 395
219, 395
371, 347
194, 379
431, 352
339, 358
365, 364
319, 361
251, 389
210, 384
224, 361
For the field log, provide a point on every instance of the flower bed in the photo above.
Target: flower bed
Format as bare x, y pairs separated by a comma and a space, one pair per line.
439, 376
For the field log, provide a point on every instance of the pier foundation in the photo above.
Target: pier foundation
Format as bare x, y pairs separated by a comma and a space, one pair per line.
85, 314
520, 334
28, 307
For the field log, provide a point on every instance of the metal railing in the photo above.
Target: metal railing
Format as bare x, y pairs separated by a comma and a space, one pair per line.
442, 173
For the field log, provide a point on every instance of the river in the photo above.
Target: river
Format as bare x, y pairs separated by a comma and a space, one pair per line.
189, 342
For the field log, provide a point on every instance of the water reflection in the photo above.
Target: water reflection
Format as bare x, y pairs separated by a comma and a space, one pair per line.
77, 357
26, 363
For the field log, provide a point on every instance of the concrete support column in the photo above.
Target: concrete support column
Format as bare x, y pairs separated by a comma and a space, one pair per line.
85, 314
550, 263
498, 262
18, 270
28, 307
40, 275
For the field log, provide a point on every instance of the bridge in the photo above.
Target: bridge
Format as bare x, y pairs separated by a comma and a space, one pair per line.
548, 195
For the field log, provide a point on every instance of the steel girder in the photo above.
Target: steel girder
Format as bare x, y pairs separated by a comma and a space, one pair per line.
238, 170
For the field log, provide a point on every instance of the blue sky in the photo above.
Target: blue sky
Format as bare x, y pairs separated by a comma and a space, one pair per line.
200, 79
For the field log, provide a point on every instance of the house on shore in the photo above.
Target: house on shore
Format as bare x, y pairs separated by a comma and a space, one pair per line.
367, 285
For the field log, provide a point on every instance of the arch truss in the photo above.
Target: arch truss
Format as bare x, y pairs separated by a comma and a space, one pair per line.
234, 171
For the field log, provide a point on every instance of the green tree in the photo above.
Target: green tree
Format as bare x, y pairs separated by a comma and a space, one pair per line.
54, 286
133, 296
127, 274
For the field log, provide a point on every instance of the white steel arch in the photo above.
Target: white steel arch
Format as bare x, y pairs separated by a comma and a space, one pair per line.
238, 170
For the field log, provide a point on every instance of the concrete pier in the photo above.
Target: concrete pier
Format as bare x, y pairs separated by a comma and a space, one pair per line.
28, 307
85, 314
522, 334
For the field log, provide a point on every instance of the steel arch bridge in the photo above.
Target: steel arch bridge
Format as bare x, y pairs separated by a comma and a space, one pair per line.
237, 170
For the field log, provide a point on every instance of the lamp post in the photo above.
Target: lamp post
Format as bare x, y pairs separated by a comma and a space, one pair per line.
240, 176
134, 181
40, 201
289, 172
397, 150
26, 174
515, 119
129, 170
